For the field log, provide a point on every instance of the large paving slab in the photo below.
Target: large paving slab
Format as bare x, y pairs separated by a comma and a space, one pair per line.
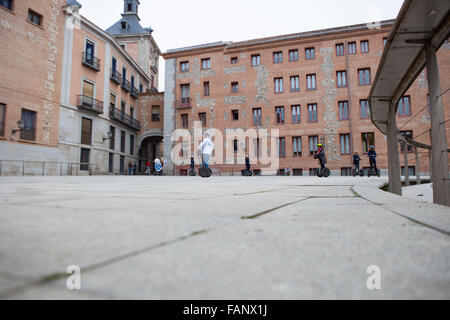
218, 238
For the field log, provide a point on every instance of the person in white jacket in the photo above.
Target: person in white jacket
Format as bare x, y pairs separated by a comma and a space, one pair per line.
206, 148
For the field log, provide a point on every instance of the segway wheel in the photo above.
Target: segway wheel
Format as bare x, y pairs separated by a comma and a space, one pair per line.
203, 172
326, 172
354, 173
369, 173
250, 173
361, 173
209, 172
192, 173
319, 173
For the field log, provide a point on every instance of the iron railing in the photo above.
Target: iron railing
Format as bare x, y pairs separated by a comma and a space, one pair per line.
126, 85
91, 61
90, 104
135, 92
116, 76
185, 103
28, 134
125, 119
43, 168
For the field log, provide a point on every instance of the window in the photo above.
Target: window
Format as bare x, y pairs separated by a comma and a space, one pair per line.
297, 146
88, 89
235, 145
297, 172
2, 119
184, 121
293, 55
132, 112
313, 172
131, 144
132, 82
184, 66
206, 63
278, 57
343, 110
123, 108
404, 108
122, 45
368, 139
6, 4
122, 164
365, 111
295, 83
84, 159
341, 79
411, 170
345, 143
202, 118
280, 115
185, 93
384, 42
156, 113
34, 17
122, 141
365, 46
311, 82
235, 115
309, 54
234, 87
281, 147
141, 88
364, 77
352, 48
296, 115
312, 112
257, 117
408, 134
346, 172
206, 89
86, 131
313, 141
278, 85
234, 60
111, 163
256, 60
29, 130
112, 140
124, 74
340, 49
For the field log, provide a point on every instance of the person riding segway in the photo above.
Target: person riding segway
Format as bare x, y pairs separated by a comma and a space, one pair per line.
320, 154
206, 149
356, 170
247, 172
373, 162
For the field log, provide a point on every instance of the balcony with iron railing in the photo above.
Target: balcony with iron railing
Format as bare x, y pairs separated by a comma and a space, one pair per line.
116, 76
125, 119
90, 104
184, 103
126, 85
90, 61
134, 92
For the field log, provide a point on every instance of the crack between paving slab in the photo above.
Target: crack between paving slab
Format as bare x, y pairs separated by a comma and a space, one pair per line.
273, 209
423, 224
258, 192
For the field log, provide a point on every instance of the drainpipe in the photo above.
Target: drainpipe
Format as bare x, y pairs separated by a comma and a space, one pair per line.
349, 98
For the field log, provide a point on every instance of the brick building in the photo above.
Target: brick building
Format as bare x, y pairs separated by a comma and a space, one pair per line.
311, 86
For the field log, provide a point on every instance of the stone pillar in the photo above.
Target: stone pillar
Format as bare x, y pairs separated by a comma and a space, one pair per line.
169, 114
441, 192
406, 165
395, 185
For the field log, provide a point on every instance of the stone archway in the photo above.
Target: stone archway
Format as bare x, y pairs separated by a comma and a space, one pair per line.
150, 145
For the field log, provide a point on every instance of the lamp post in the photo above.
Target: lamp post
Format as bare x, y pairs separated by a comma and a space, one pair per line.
108, 137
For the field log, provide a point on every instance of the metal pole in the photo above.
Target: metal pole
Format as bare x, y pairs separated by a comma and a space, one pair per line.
441, 192
23, 168
395, 184
406, 166
43, 168
417, 166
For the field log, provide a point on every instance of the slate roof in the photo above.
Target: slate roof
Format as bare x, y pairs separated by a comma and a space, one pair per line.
73, 2
133, 26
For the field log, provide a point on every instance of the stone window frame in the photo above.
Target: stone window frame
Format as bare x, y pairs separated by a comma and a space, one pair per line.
37, 14
87, 117
94, 84
233, 112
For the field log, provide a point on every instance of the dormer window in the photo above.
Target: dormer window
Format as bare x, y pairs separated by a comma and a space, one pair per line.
124, 25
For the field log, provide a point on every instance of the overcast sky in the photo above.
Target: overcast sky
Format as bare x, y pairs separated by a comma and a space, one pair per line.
180, 23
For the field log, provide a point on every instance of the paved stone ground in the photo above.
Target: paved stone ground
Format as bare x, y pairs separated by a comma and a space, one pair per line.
219, 238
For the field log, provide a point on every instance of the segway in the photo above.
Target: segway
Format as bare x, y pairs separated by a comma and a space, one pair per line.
373, 172
203, 171
323, 173
192, 172
247, 173
357, 173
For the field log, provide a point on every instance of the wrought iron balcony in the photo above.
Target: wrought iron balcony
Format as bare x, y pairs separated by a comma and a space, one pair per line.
135, 92
126, 85
185, 103
90, 104
91, 61
116, 76
125, 119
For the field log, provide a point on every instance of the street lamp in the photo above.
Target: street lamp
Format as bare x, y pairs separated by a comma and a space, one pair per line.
108, 136
20, 125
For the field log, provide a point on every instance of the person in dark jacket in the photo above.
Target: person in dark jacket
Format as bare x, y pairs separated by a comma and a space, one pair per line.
356, 160
372, 158
320, 154
247, 162
192, 164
